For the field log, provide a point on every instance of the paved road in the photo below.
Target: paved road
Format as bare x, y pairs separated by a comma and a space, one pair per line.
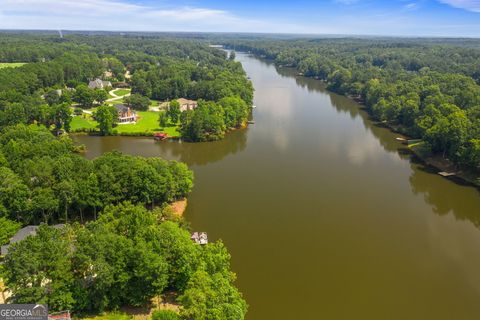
115, 97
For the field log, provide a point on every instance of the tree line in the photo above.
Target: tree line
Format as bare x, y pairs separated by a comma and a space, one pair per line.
424, 89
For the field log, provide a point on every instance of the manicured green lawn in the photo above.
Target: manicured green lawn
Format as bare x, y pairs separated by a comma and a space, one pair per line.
122, 92
79, 122
11, 65
147, 123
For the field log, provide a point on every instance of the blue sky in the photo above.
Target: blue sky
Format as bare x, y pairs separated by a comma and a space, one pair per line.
356, 17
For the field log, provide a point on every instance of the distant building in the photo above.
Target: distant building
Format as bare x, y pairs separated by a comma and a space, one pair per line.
99, 84
125, 114
22, 234
186, 104
199, 238
108, 74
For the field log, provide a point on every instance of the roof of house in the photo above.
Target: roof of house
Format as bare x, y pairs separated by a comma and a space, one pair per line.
121, 108
183, 101
23, 233
99, 83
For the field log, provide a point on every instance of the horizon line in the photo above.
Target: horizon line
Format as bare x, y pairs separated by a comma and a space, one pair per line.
2, 30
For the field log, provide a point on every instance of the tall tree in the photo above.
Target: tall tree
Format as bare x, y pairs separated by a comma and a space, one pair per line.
107, 118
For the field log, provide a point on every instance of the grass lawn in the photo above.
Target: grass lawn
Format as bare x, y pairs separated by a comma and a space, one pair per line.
147, 123
11, 65
116, 101
110, 316
80, 122
154, 103
122, 92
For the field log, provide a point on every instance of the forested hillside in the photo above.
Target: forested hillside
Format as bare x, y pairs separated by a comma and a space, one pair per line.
425, 88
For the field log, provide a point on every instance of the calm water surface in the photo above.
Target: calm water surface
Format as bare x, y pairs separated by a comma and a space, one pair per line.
324, 214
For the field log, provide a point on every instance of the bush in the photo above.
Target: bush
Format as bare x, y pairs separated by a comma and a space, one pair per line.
78, 111
165, 315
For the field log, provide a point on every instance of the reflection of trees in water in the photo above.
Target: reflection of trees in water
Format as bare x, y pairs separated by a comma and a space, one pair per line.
444, 196
347, 106
202, 153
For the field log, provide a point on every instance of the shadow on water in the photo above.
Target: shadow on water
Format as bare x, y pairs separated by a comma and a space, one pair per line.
193, 154
207, 152
444, 196
424, 179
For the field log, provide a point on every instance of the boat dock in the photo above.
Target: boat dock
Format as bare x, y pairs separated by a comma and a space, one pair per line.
199, 238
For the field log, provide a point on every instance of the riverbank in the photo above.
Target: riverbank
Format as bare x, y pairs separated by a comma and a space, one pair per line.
178, 207
442, 165
147, 125
437, 162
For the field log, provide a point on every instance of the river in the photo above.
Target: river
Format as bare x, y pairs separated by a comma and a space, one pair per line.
325, 214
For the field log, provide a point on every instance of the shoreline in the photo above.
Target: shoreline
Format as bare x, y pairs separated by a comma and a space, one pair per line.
147, 134
439, 164
178, 207
445, 165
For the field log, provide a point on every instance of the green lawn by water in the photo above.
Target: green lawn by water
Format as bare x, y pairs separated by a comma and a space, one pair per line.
11, 65
79, 122
146, 124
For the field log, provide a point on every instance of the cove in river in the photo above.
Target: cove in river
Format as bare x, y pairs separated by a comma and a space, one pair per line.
325, 215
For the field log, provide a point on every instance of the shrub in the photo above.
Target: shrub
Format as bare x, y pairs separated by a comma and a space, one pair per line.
165, 315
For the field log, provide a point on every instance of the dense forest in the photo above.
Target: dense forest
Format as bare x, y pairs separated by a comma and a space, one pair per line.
114, 250
158, 68
427, 89
119, 244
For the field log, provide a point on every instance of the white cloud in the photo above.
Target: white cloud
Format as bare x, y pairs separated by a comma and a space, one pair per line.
470, 5
164, 15
118, 15
347, 2
411, 6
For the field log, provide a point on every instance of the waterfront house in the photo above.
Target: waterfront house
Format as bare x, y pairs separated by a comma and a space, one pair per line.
125, 114
99, 84
22, 234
